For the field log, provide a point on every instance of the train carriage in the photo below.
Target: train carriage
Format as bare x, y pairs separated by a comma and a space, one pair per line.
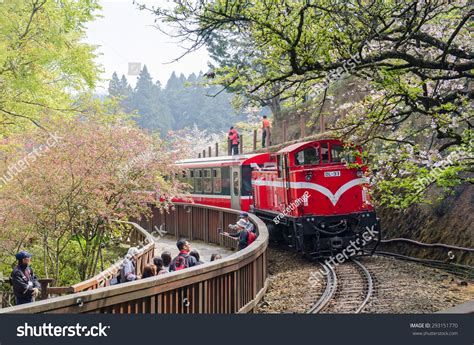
222, 181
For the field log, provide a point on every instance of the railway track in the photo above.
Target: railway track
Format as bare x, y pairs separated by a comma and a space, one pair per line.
348, 289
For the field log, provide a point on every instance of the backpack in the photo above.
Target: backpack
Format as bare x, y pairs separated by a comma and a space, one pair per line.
180, 262
251, 236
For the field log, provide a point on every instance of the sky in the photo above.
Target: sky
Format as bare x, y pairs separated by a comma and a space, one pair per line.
125, 34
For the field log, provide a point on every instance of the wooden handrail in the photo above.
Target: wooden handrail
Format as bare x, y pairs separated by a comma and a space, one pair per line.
233, 284
103, 278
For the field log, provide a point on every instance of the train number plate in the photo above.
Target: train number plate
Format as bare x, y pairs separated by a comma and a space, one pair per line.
332, 173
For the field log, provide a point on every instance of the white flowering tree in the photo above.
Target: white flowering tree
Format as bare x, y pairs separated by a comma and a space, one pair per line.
417, 54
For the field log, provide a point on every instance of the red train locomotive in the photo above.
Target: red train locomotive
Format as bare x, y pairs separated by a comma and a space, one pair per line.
306, 193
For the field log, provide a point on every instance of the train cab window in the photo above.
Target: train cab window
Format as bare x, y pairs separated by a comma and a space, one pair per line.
216, 180
336, 153
197, 180
207, 181
324, 153
309, 155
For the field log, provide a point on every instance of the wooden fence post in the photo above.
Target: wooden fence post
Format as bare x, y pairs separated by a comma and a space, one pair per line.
241, 149
217, 149
254, 139
284, 131
210, 152
203, 153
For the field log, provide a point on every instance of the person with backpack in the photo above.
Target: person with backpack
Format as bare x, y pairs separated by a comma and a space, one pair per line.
183, 260
245, 236
234, 141
25, 284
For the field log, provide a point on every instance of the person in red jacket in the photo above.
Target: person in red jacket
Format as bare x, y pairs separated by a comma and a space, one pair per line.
265, 130
234, 141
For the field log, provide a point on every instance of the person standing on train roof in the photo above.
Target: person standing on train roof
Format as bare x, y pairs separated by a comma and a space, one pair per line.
249, 226
265, 130
234, 141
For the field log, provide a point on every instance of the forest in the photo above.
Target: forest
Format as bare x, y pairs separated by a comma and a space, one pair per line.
183, 102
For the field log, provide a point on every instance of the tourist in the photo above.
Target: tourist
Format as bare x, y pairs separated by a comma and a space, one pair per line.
215, 257
166, 257
241, 233
196, 255
25, 284
160, 268
183, 260
128, 270
249, 227
149, 271
234, 141
265, 130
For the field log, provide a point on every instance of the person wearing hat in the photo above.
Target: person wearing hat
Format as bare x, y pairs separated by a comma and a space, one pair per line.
128, 271
245, 216
241, 233
25, 284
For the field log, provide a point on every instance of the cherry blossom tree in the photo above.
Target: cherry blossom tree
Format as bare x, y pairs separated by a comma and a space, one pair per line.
62, 189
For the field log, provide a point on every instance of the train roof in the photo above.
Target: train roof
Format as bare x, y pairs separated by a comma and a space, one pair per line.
297, 146
244, 159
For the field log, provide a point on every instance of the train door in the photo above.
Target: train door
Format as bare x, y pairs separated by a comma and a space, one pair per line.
235, 187
286, 179
281, 188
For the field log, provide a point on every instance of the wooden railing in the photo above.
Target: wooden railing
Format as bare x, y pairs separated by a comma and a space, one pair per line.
231, 285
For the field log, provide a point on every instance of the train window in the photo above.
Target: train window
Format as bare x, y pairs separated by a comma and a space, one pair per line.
310, 155
189, 178
336, 153
235, 183
207, 181
197, 181
216, 180
324, 153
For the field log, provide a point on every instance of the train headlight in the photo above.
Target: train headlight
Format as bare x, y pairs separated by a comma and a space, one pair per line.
309, 176
360, 173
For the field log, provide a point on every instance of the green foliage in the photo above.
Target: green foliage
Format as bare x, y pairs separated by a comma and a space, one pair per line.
42, 59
